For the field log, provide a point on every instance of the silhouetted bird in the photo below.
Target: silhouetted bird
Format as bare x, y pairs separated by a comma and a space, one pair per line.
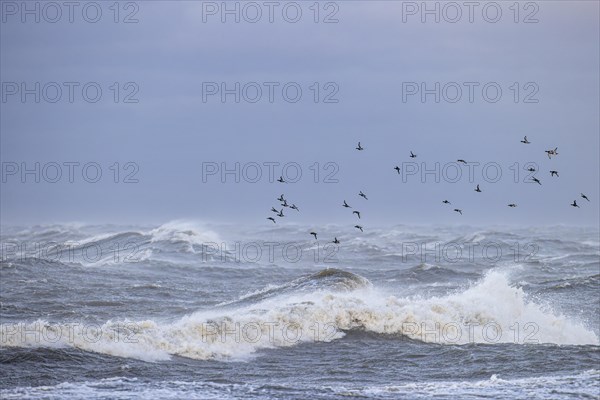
458, 211
552, 152
477, 189
536, 180
272, 219
361, 194
397, 168
280, 198
525, 140
461, 161
346, 205
357, 213
413, 155
359, 147
584, 196
314, 234
512, 205
552, 173
280, 179
575, 204
280, 214
446, 202
336, 241
274, 210
293, 207
359, 227
285, 203
531, 169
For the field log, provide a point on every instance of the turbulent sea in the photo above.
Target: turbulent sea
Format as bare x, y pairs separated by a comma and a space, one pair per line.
192, 311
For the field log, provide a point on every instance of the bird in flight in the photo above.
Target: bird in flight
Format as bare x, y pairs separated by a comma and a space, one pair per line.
552, 152
293, 207
461, 161
274, 210
531, 169
525, 140
314, 234
458, 211
584, 196
272, 219
359, 227
552, 173
280, 179
413, 155
357, 213
536, 180
359, 147
336, 241
346, 205
397, 168
446, 202
575, 204
285, 203
361, 194
513, 205
477, 189
280, 214
280, 198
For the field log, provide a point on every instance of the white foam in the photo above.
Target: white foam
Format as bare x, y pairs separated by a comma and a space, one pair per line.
184, 231
488, 312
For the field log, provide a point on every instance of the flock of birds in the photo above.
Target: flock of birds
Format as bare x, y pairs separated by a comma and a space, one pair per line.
284, 203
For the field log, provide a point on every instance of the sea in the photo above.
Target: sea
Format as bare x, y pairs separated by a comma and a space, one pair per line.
191, 310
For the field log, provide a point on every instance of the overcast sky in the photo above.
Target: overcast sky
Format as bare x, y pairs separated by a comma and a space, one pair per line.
365, 72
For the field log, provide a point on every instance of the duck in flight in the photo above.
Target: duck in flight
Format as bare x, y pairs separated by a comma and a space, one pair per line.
274, 210
336, 241
280, 214
285, 203
357, 213
314, 234
477, 189
512, 205
446, 202
346, 205
293, 207
552, 152
575, 204
531, 169
461, 161
584, 196
413, 155
361, 194
281, 179
525, 140
458, 211
552, 173
397, 168
272, 219
280, 198
536, 180
359, 147
359, 227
